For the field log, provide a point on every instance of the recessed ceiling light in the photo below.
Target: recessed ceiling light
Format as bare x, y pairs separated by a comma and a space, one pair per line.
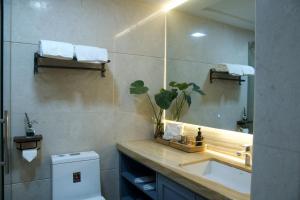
197, 34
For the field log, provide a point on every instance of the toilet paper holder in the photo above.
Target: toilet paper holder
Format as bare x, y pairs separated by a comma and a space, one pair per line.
25, 142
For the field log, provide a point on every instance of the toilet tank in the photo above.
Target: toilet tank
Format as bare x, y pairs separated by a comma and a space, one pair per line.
75, 176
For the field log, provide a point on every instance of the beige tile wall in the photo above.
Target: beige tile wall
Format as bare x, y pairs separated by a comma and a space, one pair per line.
78, 110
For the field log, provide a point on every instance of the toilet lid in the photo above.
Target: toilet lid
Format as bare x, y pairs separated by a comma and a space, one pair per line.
96, 198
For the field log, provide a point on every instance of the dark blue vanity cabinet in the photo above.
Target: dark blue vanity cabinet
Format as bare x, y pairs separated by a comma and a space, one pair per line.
168, 189
164, 188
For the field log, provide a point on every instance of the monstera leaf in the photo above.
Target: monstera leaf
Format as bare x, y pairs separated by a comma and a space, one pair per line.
165, 98
185, 90
180, 86
188, 99
197, 89
138, 87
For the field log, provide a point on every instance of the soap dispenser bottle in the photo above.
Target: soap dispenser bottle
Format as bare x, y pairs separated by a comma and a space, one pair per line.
244, 117
199, 138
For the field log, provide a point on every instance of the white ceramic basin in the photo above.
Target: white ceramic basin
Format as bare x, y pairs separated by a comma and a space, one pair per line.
223, 174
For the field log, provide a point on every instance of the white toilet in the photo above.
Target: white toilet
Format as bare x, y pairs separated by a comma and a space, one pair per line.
76, 176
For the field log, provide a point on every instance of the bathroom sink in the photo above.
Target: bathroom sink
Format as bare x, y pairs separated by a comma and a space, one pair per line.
223, 174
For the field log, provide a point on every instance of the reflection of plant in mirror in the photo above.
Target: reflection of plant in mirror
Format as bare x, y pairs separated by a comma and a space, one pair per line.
163, 101
184, 91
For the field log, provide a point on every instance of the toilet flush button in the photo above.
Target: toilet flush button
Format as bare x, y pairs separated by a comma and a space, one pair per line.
76, 177
74, 154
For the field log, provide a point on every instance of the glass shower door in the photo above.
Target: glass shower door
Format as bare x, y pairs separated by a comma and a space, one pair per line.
4, 120
1, 105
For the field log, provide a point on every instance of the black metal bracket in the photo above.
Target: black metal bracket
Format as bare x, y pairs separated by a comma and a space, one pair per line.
213, 74
24, 142
98, 67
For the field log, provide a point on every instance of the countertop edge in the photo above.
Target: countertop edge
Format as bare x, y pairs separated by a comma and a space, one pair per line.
173, 175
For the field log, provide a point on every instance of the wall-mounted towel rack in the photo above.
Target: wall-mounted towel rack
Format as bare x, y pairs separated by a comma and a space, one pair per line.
24, 142
213, 74
96, 67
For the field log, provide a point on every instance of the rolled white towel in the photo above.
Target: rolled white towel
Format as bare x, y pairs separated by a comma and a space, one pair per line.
235, 69
248, 70
54, 49
221, 68
90, 54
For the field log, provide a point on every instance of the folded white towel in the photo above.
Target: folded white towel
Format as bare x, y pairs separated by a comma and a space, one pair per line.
149, 187
54, 49
235, 69
90, 54
221, 68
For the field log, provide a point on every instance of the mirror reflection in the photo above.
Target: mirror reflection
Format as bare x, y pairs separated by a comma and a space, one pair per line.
211, 43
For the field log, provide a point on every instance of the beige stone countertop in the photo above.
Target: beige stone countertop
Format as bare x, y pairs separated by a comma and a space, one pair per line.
167, 161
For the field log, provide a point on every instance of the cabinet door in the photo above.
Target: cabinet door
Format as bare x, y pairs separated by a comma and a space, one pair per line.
169, 190
200, 198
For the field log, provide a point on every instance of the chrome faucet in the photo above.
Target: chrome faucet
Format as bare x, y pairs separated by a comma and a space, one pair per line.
247, 152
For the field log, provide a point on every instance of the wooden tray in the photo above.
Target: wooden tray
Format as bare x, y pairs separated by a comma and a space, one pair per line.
182, 147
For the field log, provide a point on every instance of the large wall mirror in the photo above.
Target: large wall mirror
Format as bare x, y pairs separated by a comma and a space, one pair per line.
213, 38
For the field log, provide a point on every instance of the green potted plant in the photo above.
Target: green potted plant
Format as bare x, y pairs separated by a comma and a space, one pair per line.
163, 101
184, 91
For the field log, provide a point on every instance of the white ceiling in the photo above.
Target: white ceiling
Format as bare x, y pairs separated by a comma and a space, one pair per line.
240, 13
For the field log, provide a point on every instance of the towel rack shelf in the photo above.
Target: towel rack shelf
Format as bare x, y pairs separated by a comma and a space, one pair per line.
213, 74
72, 64
24, 142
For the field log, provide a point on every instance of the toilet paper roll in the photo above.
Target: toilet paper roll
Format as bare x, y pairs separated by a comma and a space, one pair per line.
29, 154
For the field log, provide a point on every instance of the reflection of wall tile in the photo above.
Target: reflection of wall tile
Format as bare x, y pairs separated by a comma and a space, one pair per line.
222, 43
222, 97
189, 60
220, 140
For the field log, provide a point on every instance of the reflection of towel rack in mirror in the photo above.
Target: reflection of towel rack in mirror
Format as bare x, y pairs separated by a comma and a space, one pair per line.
213, 74
40, 62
